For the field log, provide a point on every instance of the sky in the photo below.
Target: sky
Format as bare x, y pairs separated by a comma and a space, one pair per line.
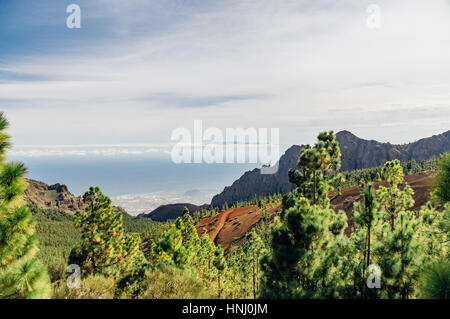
137, 70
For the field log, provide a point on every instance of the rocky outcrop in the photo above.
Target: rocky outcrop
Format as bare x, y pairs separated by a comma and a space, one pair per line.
55, 197
357, 153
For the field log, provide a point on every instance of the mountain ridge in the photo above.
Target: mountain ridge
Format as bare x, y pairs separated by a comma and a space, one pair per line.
171, 211
357, 153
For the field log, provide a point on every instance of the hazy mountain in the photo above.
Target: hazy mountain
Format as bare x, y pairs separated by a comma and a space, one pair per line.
357, 153
172, 211
136, 204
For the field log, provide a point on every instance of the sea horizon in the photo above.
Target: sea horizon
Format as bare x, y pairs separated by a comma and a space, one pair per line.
138, 184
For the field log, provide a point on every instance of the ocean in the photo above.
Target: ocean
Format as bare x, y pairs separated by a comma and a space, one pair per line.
151, 181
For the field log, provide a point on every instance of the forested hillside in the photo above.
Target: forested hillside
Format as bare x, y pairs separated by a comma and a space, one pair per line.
57, 235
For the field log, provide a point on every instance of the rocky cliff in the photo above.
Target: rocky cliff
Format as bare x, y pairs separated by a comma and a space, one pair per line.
56, 197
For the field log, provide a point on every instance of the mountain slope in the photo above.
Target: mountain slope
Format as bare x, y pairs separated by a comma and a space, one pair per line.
357, 153
230, 227
53, 197
171, 211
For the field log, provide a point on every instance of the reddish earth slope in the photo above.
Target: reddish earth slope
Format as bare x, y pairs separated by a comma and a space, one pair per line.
229, 227
419, 182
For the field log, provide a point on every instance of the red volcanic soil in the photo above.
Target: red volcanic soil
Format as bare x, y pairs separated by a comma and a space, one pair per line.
229, 227
420, 183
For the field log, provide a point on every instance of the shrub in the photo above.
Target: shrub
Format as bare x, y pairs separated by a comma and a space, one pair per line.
434, 281
92, 287
441, 187
167, 282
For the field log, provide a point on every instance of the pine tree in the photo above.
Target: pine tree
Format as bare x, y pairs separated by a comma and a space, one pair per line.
104, 249
21, 274
441, 187
206, 256
253, 249
378, 177
293, 269
365, 216
317, 164
220, 264
308, 239
399, 257
434, 230
170, 250
392, 199
238, 272
189, 234
435, 280
397, 245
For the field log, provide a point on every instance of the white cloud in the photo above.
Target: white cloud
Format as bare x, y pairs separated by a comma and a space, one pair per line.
301, 58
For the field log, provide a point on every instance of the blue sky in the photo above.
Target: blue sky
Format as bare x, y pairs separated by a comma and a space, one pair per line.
136, 70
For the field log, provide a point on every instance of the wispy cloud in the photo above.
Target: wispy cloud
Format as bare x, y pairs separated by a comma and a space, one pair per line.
136, 70
87, 150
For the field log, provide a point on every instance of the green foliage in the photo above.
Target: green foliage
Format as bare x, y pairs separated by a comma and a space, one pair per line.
435, 281
298, 266
316, 164
104, 249
441, 187
56, 240
91, 287
310, 257
392, 199
21, 274
220, 264
366, 217
57, 236
399, 258
169, 249
302, 253
147, 228
374, 174
305, 241
253, 249
168, 282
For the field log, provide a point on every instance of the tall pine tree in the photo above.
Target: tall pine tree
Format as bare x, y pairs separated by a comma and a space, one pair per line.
104, 249
21, 274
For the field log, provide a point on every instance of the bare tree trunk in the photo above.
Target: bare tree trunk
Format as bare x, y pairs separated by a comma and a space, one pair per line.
254, 280
368, 246
314, 188
218, 284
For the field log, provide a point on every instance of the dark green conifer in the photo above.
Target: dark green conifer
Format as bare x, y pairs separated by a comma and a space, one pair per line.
21, 274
